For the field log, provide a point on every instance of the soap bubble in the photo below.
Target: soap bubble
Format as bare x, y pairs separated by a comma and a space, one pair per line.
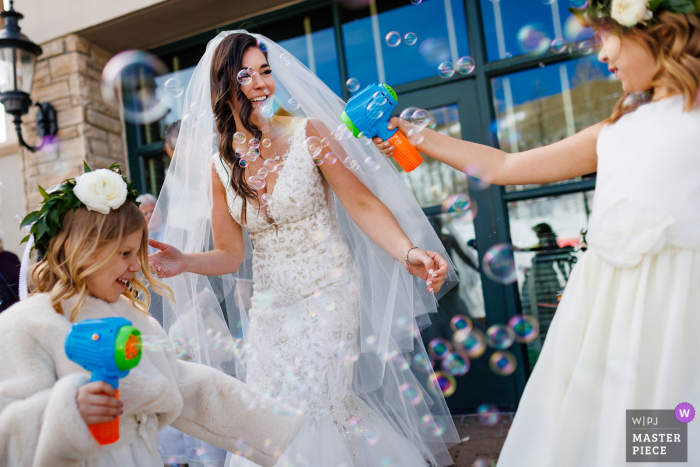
207, 148
503, 363
197, 109
393, 39
558, 46
579, 4
548, 2
313, 145
245, 76
254, 143
445, 70
270, 165
374, 111
330, 158
416, 2
465, 65
455, 203
135, 72
412, 393
410, 38
455, 364
242, 449
421, 363
240, 152
263, 172
272, 449
420, 119
439, 347
407, 114
475, 178
500, 336
252, 154
472, 343
531, 39
444, 383
238, 138
266, 143
243, 163
434, 50
174, 87
461, 323
285, 59
353, 84
256, 182
266, 110
499, 264
318, 159
489, 414
433, 426
525, 327
293, 104
585, 47
188, 122
372, 164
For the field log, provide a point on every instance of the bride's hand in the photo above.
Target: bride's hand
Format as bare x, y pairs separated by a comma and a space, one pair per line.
429, 266
167, 262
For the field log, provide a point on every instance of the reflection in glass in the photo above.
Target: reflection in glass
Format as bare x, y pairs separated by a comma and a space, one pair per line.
155, 169
441, 36
534, 27
545, 234
544, 105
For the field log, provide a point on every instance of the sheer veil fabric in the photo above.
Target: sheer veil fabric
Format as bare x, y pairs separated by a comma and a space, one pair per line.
393, 304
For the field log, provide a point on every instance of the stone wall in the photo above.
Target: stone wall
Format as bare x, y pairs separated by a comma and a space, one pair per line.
68, 77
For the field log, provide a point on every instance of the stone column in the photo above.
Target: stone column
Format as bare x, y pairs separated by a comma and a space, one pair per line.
68, 76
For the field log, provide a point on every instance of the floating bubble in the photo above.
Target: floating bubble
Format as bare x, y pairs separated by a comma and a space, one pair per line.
374, 111
410, 38
420, 119
499, 264
245, 77
481, 462
558, 46
422, 363
207, 148
407, 114
293, 104
489, 414
372, 163
416, 2
525, 327
272, 449
313, 145
500, 336
174, 87
266, 110
353, 84
254, 143
503, 363
242, 449
371, 436
475, 178
585, 47
129, 81
411, 393
263, 172
455, 364
547, 2
439, 347
393, 39
256, 182
197, 109
318, 159
188, 122
444, 383
240, 153
285, 59
270, 165
465, 65
330, 158
415, 140
472, 343
239, 138
433, 426
325, 142
266, 143
579, 4
461, 323
445, 70
531, 39
252, 154
243, 163
455, 203
265, 129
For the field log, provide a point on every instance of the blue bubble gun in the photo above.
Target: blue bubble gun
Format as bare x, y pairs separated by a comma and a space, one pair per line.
109, 348
368, 112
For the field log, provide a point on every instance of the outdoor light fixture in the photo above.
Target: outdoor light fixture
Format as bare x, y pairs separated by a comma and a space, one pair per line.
17, 63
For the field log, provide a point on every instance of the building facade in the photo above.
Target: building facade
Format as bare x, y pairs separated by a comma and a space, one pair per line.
523, 74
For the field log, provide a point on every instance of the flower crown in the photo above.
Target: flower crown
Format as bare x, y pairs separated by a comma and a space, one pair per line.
98, 190
629, 13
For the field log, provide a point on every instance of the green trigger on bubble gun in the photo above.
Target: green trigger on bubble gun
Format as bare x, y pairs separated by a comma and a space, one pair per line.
368, 112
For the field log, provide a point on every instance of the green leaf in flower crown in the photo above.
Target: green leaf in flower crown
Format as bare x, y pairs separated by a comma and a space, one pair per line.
30, 218
25, 239
654, 4
54, 221
86, 167
43, 193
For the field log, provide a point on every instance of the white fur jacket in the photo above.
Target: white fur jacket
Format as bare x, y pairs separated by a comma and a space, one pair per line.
39, 420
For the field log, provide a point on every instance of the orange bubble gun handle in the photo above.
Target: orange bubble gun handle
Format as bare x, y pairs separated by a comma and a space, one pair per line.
405, 154
107, 432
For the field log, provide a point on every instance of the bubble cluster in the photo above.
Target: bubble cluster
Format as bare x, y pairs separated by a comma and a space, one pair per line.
393, 39
499, 264
352, 84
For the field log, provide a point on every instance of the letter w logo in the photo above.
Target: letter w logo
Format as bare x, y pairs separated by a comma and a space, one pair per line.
685, 413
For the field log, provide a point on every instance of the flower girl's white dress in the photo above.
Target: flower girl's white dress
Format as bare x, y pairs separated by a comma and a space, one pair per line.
626, 333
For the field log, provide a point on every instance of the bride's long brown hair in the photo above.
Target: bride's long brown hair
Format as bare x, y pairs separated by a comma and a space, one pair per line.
225, 65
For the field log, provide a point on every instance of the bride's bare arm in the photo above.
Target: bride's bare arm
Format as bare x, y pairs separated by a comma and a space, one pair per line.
228, 252
373, 217
571, 157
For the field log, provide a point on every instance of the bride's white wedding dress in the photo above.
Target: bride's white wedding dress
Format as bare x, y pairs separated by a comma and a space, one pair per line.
304, 322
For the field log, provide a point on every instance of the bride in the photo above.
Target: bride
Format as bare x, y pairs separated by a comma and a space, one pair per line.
345, 266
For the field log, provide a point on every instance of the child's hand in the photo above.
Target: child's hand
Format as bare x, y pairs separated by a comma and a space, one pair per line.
167, 262
429, 266
385, 147
97, 404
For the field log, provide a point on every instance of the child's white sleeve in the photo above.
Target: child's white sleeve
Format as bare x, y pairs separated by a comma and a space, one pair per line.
40, 424
213, 411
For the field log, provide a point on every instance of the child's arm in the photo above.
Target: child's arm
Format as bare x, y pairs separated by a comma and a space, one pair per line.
571, 157
40, 424
219, 409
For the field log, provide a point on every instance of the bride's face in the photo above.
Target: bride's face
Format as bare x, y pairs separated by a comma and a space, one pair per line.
262, 87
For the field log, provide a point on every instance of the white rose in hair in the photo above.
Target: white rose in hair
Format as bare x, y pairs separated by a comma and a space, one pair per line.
101, 190
630, 12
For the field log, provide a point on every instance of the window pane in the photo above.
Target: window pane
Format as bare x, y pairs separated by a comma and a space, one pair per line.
544, 105
545, 232
530, 26
155, 168
440, 27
